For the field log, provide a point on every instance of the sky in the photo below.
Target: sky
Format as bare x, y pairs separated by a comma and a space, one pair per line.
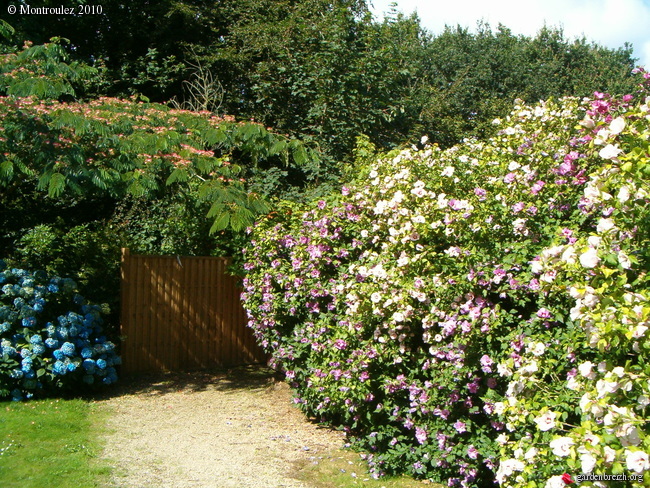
610, 23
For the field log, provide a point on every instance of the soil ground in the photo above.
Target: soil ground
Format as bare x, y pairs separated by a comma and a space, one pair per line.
209, 430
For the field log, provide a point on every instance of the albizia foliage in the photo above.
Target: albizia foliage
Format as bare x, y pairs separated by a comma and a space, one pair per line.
128, 147
459, 311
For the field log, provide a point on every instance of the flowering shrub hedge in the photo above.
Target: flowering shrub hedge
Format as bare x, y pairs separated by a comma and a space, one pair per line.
50, 338
476, 313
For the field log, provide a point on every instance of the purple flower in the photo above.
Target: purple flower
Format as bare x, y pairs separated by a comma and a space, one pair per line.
420, 435
460, 427
533, 285
486, 363
537, 187
472, 452
544, 313
518, 207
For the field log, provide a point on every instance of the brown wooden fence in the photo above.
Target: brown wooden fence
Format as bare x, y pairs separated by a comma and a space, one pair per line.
182, 313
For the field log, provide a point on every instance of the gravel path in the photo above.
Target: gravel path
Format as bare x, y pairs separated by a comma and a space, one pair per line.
205, 430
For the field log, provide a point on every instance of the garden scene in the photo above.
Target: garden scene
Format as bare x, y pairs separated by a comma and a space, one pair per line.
441, 239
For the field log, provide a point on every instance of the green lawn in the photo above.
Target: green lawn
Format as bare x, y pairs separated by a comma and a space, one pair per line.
51, 443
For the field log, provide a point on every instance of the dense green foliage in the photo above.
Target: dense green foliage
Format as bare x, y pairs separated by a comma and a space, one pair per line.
328, 71
454, 309
81, 179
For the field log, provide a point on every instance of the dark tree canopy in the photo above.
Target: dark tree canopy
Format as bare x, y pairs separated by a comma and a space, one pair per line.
326, 70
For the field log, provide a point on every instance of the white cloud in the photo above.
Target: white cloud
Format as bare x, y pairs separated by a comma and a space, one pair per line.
610, 23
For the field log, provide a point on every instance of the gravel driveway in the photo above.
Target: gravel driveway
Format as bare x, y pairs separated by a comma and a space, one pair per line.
208, 430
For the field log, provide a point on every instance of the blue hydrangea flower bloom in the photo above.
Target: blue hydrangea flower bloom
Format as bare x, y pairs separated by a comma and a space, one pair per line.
58, 354
7, 348
38, 349
101, 364
68, 348
89, 365
26, 364
29, 321
86, 352
60, 368
51, 343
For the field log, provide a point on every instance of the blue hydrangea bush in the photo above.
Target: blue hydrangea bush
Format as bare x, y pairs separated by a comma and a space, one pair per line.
51, 338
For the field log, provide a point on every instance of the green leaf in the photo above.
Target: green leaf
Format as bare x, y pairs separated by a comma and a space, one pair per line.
220, 223
56, 184
177, 175
6, 170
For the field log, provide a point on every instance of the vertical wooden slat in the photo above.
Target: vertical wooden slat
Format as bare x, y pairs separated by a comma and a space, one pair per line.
159, 328
176, 317
225, 325
211, 319
146, 315
125, 308
181, 308
170, 339
232, 316
195, 337
202, 336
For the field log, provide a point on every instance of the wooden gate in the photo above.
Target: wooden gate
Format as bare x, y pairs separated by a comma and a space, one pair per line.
182, 313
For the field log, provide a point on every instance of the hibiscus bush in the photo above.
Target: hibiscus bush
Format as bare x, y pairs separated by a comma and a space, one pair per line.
475, 313
51, 339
